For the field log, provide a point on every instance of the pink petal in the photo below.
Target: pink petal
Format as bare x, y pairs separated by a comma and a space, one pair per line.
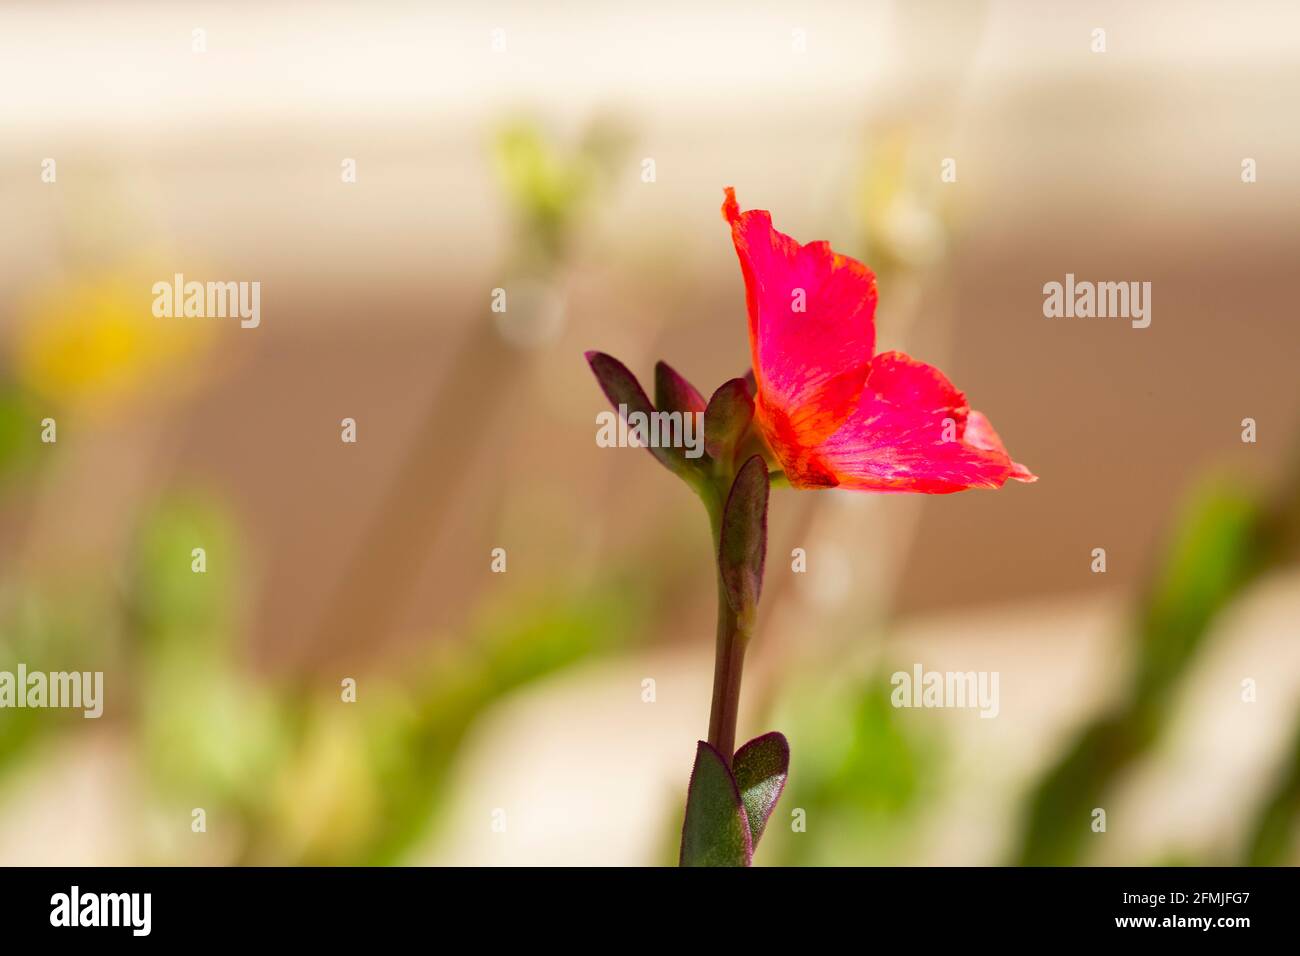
810, 365
913, 431
980, 434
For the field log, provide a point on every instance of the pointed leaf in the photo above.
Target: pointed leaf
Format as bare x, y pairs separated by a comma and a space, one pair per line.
715, 831
728, 414
626, 395
743, 545
673, 393
751, 383
760, 768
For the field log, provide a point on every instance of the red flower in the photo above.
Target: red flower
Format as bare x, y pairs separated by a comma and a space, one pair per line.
832, 411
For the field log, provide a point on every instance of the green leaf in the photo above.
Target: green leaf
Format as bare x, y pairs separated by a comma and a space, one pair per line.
673, 393
760, 768
716, 831
727, 417
743, 545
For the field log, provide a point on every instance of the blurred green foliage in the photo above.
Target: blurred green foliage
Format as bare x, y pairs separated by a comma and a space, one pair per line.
44, 626
512, 646
19, 431
206, 725
1224, 540
311, 779
1274, 836
550, 186
289, 772
859, 770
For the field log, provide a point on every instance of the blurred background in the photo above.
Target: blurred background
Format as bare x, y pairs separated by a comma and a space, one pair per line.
574, 155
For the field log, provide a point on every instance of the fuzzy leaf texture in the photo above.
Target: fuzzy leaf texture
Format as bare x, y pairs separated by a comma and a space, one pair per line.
716, 831
760, 768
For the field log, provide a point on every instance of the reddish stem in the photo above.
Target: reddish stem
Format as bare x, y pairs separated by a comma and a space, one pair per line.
727, 668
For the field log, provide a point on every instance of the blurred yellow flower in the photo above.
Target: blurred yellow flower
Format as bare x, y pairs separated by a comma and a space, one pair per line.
93, 341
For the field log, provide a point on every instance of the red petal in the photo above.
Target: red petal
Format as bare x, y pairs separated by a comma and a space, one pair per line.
810, 365
912, 431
